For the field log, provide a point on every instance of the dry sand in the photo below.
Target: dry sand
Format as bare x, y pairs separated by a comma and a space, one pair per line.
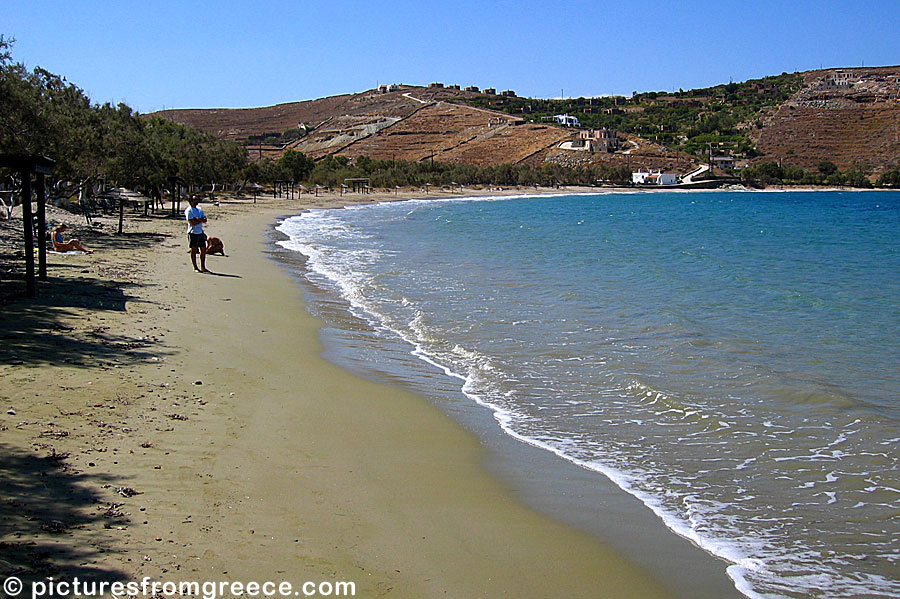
159, 422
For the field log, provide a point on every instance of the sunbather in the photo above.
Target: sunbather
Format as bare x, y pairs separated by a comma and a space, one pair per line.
61, 245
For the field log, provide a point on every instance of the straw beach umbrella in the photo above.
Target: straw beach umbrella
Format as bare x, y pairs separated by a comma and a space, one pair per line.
125, 196
256, 187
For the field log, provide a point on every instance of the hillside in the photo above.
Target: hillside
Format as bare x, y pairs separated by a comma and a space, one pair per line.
410, 123
850, 117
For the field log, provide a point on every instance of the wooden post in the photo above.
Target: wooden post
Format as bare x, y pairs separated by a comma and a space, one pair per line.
42, 226
121, 214
29, 233
27, 166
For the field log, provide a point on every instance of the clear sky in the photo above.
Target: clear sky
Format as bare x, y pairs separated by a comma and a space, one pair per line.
224, 53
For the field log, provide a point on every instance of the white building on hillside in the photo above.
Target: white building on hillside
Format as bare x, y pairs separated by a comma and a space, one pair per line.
567, 120
653, 178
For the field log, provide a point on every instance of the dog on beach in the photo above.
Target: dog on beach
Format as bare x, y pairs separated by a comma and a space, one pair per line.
214, 245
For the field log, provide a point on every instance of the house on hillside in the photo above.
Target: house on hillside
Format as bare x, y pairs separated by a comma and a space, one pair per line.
599, 140
653, 178
838, 78
491, 91
508, 93
567, 120
723, 162
383, 89
472, 88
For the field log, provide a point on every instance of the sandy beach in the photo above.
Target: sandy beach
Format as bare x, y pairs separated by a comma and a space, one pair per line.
162, 423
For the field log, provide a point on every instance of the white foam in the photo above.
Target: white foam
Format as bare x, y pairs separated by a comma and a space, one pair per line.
471, 368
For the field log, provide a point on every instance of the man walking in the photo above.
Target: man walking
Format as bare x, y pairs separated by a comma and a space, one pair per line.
196, 237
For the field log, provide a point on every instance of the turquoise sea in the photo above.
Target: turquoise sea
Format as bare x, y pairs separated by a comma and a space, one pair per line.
730, 359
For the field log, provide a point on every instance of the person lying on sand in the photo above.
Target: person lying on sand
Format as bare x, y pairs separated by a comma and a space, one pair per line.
60, 245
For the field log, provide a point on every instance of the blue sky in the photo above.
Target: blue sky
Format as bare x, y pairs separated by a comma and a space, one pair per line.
224, 53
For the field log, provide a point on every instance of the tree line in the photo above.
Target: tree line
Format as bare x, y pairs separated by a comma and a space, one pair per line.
826, 173
43, 113
332, 171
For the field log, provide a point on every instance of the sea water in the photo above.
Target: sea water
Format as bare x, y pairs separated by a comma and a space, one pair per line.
730, 358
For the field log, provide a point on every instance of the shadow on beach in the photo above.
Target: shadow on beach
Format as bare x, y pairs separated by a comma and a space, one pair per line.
43, 498
51, 329
64, 323
222, 274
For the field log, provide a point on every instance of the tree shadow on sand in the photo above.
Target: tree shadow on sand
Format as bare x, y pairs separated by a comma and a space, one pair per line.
52, 328
40, 331
130, 242
43, 504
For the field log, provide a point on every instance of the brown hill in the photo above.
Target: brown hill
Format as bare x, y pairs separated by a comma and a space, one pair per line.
239, 124
409, 123
847, 116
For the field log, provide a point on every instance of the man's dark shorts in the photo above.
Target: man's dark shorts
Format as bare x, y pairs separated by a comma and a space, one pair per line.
197, 240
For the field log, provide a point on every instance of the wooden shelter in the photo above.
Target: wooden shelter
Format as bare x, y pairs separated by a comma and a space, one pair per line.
284, 186
29, 166
359, 184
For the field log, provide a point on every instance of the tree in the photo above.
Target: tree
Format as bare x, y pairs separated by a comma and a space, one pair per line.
855, 177
766, 172
890, 178
298, 164
827, 168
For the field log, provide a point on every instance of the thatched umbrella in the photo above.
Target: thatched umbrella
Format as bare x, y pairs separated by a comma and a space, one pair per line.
123, 196
256, 187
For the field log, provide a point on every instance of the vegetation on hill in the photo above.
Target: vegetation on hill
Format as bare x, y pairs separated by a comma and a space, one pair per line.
688, 121
275, 138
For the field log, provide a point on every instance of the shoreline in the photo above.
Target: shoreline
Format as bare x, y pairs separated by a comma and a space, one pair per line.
166, 449
549, 481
